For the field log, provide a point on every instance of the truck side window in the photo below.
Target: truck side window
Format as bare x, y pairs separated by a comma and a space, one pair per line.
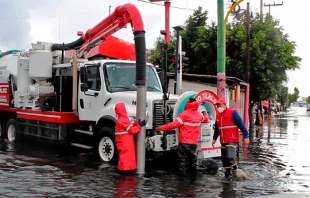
93, 78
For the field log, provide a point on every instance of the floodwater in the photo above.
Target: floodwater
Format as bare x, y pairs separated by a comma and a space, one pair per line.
278, 164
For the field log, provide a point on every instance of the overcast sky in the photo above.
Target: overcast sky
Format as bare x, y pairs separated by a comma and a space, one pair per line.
26, 21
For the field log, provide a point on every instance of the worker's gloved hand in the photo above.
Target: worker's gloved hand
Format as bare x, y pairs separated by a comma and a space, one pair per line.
213, 142
142, 122
158, 130
245, 148
246, 141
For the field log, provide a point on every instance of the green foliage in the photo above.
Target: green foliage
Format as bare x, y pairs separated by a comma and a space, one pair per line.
294, 96
271, 52
308, 100
157, 54
196, 43
271, 55
282, 95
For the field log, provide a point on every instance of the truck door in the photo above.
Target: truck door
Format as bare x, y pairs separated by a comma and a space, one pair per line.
90, 94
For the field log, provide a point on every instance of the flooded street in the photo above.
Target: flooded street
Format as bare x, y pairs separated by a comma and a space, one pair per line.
277, 163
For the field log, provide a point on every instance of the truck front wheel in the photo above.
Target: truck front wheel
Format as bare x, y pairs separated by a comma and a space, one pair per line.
106, 148
11, 130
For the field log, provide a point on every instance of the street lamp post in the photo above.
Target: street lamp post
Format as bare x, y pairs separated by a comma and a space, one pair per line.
178, 62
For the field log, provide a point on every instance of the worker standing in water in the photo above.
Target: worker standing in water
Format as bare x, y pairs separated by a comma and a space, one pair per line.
228, 123
124, 138
188, 123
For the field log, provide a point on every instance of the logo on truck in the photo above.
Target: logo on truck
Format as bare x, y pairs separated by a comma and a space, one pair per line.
3, 90
4, 94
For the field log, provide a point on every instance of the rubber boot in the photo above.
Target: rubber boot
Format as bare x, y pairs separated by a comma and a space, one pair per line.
228, 174
234, 170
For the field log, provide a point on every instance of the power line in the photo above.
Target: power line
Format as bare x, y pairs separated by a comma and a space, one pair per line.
272, 5
175, 7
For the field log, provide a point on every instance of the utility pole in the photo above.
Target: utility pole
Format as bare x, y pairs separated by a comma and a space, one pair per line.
247, 113
272, 5
247, 27
166, 32
221, 77
261, 13
167, 22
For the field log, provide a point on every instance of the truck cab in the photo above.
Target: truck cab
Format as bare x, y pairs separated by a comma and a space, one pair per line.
102, 84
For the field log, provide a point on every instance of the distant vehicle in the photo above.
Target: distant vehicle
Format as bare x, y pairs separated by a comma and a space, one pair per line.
301, 104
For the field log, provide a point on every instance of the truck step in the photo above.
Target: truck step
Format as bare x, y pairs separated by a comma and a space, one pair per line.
81, 145
84, 132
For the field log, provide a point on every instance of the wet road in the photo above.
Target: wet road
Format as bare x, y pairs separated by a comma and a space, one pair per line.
278, 162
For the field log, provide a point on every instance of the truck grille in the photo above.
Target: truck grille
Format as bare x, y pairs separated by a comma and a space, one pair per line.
158, 114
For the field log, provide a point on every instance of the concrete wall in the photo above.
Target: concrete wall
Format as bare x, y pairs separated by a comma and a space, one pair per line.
192, 86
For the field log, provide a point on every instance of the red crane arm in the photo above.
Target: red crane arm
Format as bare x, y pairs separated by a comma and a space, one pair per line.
122, 15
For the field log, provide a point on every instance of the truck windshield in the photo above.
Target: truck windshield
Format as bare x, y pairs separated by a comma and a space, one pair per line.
122, 77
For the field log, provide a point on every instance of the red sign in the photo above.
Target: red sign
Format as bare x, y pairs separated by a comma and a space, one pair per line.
4, 94
207, 96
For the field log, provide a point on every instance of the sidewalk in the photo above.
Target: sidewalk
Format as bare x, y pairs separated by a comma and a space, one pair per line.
286, 195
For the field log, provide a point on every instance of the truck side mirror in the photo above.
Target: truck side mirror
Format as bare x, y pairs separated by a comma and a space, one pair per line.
83, 75
84, 87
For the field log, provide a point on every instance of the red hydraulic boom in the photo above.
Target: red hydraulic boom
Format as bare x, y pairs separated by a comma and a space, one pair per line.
122, 15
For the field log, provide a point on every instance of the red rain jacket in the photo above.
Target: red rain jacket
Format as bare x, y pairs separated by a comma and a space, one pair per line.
124, 138
188, 122
229, 131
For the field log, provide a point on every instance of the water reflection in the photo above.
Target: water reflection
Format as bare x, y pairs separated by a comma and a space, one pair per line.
126, 186
295, 123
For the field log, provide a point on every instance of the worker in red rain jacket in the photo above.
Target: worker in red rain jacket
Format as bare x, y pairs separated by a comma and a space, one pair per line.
124, 138
228, 123
188, 123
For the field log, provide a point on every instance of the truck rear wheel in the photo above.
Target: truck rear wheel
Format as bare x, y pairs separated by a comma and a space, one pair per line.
106, 148
11, 130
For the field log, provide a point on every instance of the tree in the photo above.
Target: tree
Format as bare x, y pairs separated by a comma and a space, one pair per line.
199, 41
272, 53
156, 56
308, 100
282, 95
293, 97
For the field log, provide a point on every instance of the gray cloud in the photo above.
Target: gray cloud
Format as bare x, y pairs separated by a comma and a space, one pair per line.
15, 25
15, 22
